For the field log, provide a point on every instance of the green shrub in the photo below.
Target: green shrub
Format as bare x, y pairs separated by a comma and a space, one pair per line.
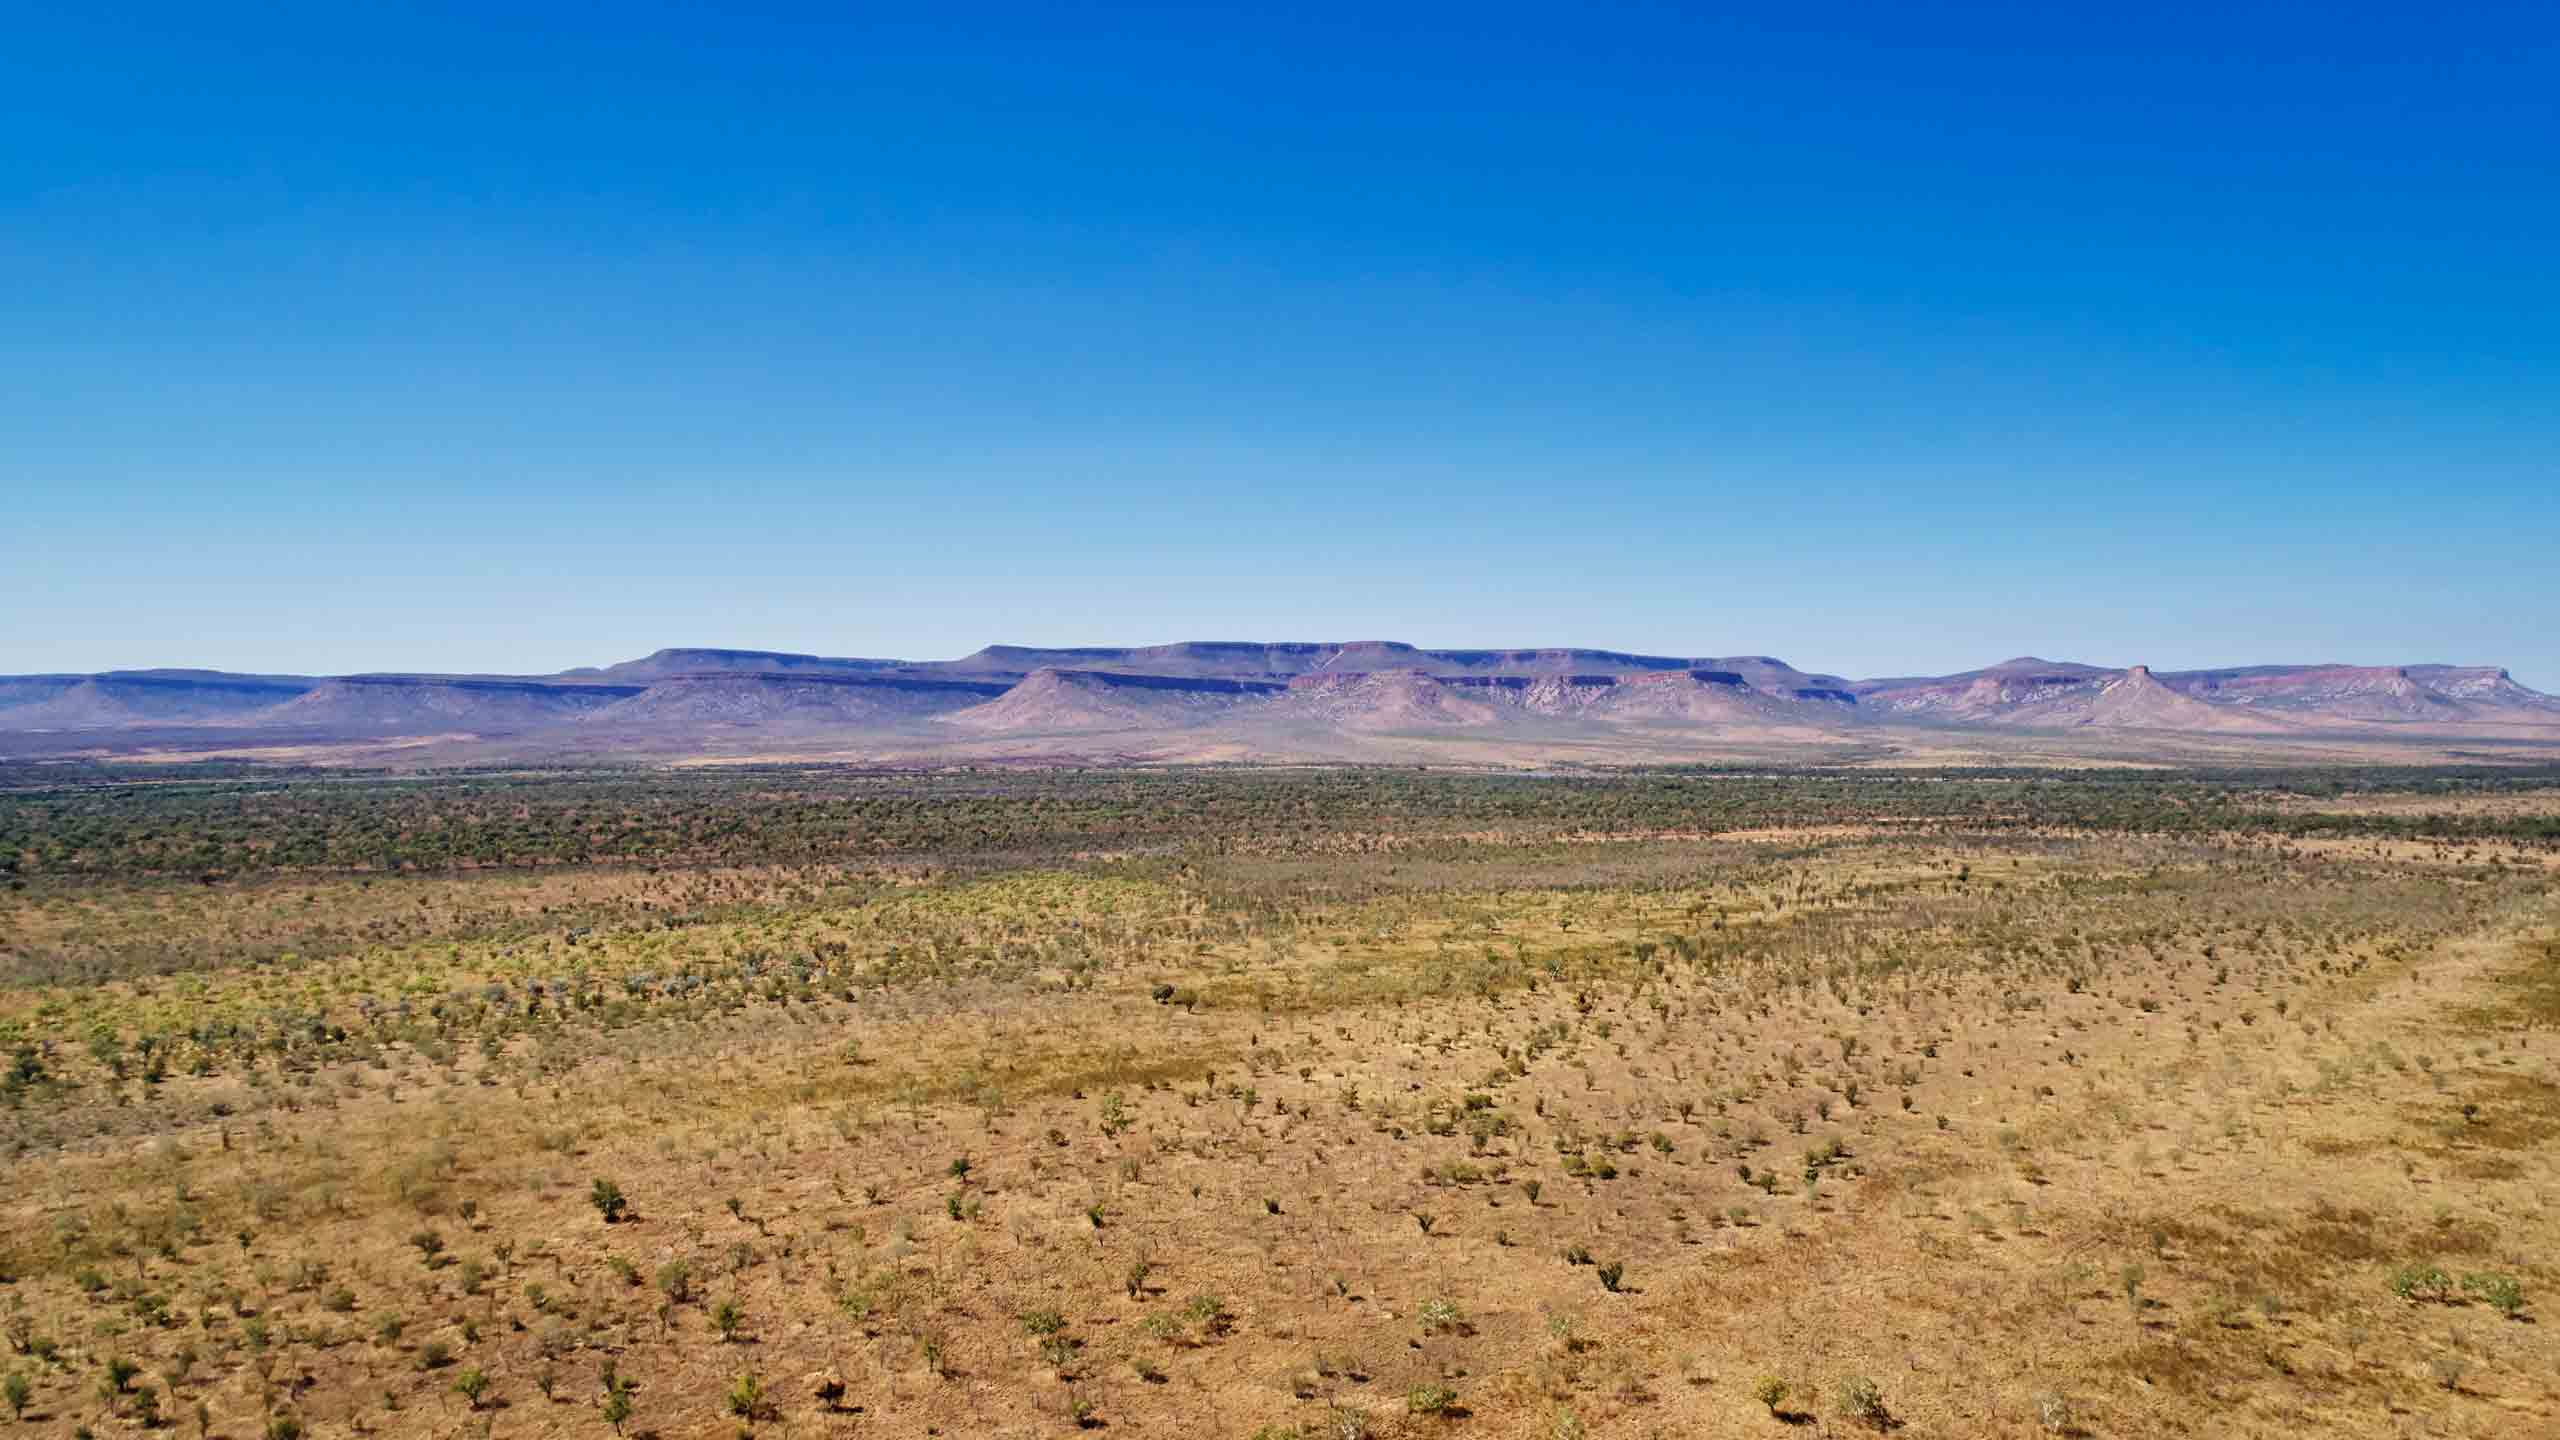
2501, 1293
1860, 1400
2417, 1283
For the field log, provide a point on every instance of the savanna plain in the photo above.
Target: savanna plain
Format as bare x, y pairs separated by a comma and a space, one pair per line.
1279, 1104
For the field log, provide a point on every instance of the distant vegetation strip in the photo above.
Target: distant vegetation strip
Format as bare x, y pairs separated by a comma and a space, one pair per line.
232, 822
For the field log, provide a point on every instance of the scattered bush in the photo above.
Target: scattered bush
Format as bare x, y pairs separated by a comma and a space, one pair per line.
726, 1317
1430, 1400
1860, 1400
2418, 1283
2501, 1293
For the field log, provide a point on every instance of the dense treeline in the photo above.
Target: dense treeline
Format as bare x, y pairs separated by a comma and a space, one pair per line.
235, 824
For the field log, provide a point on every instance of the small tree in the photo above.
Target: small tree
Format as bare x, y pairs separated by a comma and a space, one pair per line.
675, 1280
1771, 1391
18, 1390
726, 1317
609, 1201
471, 1384
617, 1400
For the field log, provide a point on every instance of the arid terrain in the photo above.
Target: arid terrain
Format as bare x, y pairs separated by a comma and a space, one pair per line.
1280, 1103
1225, 702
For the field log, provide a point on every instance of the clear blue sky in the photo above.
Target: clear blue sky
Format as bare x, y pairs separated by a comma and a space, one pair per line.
1882, 337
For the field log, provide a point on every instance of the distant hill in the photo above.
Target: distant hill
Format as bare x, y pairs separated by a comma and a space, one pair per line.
1279, 700
1050, 700
785, 699
406, 703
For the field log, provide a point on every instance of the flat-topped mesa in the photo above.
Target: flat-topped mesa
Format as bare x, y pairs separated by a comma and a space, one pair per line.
1258, 697
1285, 659
706, 660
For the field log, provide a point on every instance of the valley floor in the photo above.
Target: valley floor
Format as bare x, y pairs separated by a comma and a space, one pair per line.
1295, 1127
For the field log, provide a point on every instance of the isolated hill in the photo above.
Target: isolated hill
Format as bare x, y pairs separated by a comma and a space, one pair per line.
1277, 700
2136, 700
1389, 701
2032, 695
1049, 701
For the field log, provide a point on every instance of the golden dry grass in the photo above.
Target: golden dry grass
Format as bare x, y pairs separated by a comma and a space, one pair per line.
2040, 1135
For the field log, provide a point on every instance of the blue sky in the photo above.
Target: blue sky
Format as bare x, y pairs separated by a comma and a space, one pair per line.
1885, 338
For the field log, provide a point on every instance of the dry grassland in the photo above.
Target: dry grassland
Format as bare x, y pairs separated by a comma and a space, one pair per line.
1824, 1129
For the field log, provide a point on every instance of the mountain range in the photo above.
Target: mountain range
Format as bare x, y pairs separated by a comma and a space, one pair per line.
1252, 701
